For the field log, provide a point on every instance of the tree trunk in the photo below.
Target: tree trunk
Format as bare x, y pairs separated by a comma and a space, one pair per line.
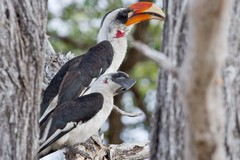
168, 134
115, 124
201, 79
167, 126
232, 86
22, 30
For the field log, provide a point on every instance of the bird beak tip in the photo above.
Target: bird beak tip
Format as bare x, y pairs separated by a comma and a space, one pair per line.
142, 11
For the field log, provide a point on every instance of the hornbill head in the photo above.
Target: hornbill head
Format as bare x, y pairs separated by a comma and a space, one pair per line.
113, 83
117, 23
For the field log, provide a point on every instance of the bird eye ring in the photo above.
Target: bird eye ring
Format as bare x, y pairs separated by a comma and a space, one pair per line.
105, 81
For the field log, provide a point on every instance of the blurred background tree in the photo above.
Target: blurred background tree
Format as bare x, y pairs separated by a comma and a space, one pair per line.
73, 26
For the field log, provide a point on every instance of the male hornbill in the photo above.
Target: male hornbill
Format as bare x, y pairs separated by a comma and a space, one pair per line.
77, 120
106, 57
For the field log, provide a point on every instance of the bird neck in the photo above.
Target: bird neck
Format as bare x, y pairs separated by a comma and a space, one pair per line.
119, 47
97, 86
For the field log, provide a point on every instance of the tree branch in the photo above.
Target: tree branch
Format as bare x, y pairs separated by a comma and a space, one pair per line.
91, 150
124, 113
129, 151
53, 62
156, 56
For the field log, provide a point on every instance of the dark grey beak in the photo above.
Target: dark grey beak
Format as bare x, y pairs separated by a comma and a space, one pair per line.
124, 81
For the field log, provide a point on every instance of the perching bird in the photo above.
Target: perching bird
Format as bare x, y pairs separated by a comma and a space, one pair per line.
106, 57
77, 120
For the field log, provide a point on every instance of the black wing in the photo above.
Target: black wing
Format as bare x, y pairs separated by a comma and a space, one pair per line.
53, 87
78, 74
66, 117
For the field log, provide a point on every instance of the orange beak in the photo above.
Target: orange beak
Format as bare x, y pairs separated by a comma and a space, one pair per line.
143, 11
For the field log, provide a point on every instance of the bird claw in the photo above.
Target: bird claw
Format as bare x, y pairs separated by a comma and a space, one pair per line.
72, 150
71, 147
97, 139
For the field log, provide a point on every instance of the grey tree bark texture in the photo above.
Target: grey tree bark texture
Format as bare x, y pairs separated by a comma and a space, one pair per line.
231, 77
167, 125
168, 132
22, 36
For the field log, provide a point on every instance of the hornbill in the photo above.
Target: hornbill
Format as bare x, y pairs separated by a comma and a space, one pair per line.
77, 74
77, 120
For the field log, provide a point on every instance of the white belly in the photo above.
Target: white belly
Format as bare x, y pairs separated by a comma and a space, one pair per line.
85, 130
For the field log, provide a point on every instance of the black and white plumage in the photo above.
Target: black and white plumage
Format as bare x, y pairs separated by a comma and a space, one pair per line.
73, 78
77, 120
76, 75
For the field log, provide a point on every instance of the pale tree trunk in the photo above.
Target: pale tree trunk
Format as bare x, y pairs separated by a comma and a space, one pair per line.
22, 36
201, 79
169, 132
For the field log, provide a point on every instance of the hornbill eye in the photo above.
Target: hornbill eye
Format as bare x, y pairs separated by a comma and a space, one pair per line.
105, 80
123, 15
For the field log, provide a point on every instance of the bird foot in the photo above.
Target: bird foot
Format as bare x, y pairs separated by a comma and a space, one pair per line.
98, 140
73, 151
88, 145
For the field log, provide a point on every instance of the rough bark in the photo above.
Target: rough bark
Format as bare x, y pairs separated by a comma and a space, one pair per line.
90, 150
167, 126
22, 34
232, 86
201, 79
